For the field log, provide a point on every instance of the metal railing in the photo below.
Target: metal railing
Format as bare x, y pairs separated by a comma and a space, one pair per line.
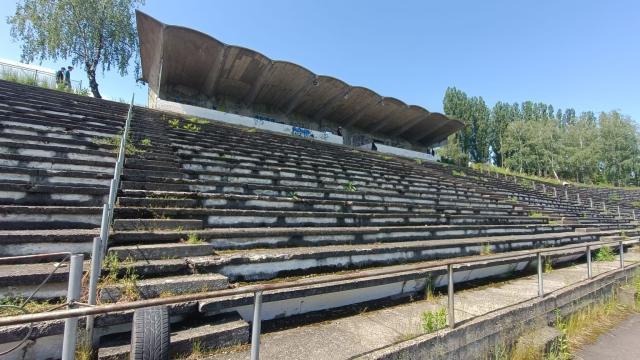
73, 296
257, 290
40, 77
100, 244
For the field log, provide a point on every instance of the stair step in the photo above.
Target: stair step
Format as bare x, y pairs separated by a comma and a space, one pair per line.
174, 285
161, 251
220, 331
157, 224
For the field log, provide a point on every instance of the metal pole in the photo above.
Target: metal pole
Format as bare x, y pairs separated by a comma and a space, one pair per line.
255, 326
534, 185
540, 285
633, 211
452, 319
515, 180
618, 210
544, 189
94, 276
555, 192
589, 273
578, 198
604, 206
104, 229
566, 194
73, 294
591, 203
621, 255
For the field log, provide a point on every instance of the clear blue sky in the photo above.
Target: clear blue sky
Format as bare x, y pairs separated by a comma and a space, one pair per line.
580, 54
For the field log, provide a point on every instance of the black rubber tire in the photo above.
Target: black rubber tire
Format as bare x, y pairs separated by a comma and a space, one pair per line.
150, 334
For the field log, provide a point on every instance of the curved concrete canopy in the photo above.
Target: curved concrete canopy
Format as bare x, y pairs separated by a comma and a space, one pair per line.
177, 55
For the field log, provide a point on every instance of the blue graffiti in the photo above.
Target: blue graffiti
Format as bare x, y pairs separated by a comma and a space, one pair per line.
299, 131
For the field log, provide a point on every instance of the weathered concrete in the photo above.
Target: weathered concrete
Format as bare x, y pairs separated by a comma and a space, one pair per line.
500, 312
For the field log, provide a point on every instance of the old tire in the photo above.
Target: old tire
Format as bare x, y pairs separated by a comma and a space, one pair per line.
150, 334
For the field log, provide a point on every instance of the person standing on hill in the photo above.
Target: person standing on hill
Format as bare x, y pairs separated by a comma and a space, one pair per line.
67, 77
60, 76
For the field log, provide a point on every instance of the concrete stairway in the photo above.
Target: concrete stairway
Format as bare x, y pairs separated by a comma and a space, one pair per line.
205, 206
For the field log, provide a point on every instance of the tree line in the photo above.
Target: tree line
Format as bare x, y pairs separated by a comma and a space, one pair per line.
537, 139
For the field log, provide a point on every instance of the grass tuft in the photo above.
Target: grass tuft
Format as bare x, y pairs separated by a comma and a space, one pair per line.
434, 320
605, 253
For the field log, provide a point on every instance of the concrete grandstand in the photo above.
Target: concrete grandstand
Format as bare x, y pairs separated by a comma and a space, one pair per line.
208, 204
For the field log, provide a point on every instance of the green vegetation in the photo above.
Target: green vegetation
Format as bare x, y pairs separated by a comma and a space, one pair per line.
192, 238
536, 214
31, 80
192, 127
30, 307
418, 161
458, 173
101, 35
196, 120
349, 186
538, 140
293, 195
605, 253
145, 142
429, 294
130, 148
434, 320
586, 325
121, 274
486, 249
548, 265
174, 123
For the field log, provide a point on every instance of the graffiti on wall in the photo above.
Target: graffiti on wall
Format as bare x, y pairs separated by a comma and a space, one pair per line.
300, 131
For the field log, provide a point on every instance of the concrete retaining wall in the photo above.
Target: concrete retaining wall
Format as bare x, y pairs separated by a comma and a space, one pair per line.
244, 121
474, 338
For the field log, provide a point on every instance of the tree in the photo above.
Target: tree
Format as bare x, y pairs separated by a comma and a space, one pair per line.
91, 33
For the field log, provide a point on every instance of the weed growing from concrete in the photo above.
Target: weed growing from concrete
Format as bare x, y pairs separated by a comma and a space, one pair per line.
192, 127
605, 254
548, 266
429, 295
486, 249
32, 306
458, 173
349, 186
586, 325
418, 161
196, 120
293, 195
127, 282
434, 320
193, 239
536, 214
174, 123
145, 142
130, 148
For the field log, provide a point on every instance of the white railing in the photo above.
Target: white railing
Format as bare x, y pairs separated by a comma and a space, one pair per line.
39, 76
100, 243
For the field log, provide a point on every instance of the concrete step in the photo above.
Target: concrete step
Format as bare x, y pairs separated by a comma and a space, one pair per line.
164, 286
214, 333
52, 195
157, 224
162, 251
265, 264
34, 176
252, 218
49, 217
245, 238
